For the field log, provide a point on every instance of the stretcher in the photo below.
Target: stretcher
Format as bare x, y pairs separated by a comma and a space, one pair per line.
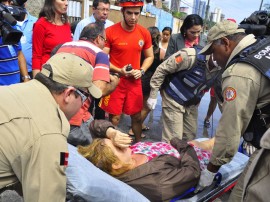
224, 181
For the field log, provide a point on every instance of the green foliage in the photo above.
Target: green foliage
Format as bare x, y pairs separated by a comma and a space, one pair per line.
165, 8
180, 15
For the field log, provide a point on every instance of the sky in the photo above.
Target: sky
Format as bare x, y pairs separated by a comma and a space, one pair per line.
237, 9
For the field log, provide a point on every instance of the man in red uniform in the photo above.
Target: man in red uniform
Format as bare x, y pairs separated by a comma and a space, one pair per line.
125, 42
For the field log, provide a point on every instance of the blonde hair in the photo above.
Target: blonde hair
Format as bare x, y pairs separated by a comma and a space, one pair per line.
102, 156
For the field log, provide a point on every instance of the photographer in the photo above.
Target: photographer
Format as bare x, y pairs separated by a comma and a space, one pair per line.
12, 60
26, 27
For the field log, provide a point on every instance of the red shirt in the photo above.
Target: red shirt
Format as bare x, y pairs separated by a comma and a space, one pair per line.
45, 37
126, 47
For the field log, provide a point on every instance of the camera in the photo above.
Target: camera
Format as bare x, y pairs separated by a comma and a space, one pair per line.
9, 15
128, 67
258, 23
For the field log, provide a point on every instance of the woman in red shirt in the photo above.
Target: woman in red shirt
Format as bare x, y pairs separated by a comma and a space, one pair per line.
51, 29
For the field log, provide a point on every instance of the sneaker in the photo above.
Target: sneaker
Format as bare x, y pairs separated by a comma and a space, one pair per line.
206, 124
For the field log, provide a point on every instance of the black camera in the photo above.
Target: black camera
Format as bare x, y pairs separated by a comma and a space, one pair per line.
258, 23
9, 15
128, 67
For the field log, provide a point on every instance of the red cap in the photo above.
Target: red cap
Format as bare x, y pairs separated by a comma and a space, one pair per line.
131, 3
231, 19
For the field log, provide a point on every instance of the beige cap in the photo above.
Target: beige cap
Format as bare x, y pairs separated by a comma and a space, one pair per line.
72, 70
221, 29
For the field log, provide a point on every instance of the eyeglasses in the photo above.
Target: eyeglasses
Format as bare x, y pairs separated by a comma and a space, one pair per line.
103, 9
84, 95
105, 40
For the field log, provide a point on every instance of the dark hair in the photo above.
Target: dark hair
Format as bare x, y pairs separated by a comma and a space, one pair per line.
190, 21
48, 11
155, 35
96, 2
167, 29
53, 86
92, 30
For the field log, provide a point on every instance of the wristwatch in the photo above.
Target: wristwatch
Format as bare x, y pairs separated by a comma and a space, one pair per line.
26, 77
142, 72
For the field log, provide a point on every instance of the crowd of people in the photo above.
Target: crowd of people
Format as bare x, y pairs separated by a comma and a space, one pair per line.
50, 79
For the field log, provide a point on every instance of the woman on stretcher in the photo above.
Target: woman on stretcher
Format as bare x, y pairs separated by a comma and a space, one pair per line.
158, 170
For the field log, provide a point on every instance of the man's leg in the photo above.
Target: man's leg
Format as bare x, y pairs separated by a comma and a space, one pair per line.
172, 118
115, 119
211, 108
145, 111
80, 135
172, 121
136, 125
190, 119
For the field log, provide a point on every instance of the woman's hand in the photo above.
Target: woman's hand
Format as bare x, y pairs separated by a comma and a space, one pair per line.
118, 138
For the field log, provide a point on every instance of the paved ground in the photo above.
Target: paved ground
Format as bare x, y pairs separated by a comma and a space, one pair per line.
154, 122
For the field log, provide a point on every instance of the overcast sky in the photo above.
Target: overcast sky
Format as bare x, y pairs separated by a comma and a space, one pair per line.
237, 9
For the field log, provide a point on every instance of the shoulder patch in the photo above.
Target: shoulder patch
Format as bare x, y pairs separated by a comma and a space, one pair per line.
230, 94
178, 59
64, 158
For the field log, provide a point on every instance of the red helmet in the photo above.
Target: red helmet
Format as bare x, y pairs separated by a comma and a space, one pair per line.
131, 3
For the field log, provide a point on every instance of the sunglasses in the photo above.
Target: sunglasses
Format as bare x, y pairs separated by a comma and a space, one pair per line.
84, 95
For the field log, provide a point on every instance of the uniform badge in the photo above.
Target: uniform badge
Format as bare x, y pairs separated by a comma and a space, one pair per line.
141, 43
64, 158
178, 58
230, 94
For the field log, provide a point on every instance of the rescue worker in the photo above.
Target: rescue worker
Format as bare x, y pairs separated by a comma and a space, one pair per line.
246, 95
181, 80
34, 126
126, 41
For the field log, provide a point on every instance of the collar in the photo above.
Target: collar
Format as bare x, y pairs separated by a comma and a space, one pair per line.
245, 42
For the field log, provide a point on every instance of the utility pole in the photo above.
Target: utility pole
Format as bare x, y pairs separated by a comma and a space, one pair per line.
206, 16
207, 10
261, 5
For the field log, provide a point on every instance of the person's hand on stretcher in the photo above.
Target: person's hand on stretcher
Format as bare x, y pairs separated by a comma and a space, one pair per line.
207, 176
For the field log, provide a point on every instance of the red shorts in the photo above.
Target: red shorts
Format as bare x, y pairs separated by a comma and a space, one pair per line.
127, 98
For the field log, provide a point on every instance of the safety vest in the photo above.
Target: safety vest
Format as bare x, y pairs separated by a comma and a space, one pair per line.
187, 87
257, 55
